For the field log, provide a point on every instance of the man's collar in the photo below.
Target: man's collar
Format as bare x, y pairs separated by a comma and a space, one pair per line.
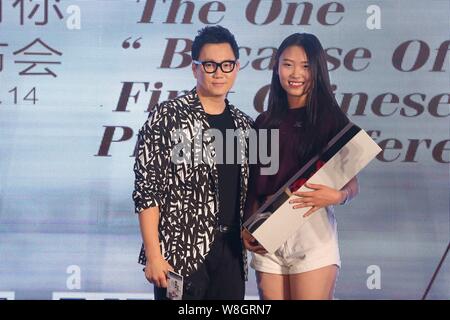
196, 106
196, 103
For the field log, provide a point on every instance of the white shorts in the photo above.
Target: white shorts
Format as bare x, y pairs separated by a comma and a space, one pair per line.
313, 246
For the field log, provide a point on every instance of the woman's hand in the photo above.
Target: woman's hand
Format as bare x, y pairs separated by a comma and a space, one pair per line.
156, 271
251, 243
321, 197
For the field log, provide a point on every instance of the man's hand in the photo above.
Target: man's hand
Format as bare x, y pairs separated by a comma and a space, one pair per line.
156, 271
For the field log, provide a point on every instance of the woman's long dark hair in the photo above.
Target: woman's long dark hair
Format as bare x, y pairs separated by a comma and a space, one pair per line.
324, 118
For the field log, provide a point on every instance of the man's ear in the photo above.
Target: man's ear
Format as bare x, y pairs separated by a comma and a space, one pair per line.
238, 65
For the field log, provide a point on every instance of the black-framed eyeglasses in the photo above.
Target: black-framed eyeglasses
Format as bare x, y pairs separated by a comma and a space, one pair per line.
226, 66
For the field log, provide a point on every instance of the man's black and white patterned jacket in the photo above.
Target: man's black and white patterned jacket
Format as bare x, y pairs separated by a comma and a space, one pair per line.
186, 193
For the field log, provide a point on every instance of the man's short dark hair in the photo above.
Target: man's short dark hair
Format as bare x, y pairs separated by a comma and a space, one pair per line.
213, 34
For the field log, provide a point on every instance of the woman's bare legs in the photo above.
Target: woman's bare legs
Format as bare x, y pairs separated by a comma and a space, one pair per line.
313, 285
273, 286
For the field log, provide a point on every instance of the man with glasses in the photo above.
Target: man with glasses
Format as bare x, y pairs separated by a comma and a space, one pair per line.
190, 212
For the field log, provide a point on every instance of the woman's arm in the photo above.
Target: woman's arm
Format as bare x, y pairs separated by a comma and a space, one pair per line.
323, 196
350, 190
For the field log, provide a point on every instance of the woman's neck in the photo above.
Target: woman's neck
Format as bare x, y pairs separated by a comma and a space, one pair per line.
297, 102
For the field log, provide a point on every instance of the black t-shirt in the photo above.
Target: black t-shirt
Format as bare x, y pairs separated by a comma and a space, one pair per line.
228, 172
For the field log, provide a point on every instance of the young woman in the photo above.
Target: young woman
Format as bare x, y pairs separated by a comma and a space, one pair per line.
302, 107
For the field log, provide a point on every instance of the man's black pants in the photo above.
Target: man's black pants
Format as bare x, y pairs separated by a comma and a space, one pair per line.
220, 277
